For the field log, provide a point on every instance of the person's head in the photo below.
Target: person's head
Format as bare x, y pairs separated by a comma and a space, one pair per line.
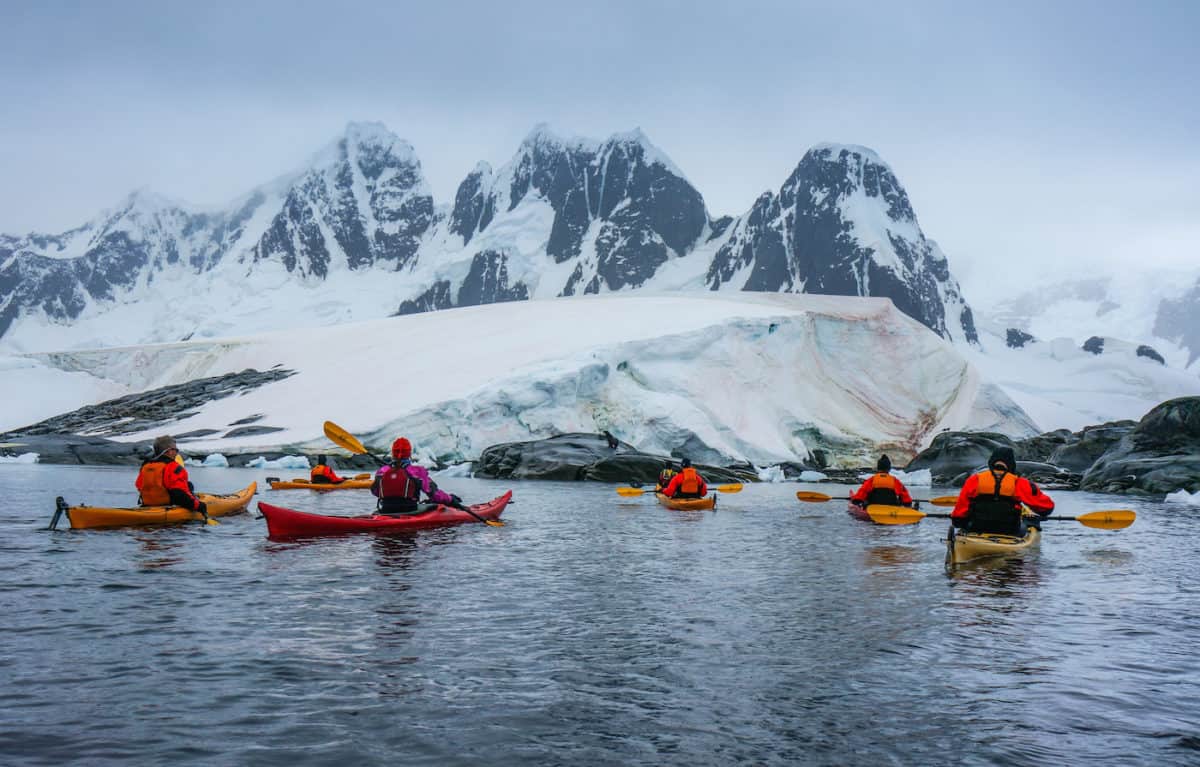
884, 465
321, 460
402, 448
1003, 459
685, 463
163, 445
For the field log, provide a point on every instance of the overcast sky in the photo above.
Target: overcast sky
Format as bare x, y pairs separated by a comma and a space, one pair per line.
1031, 136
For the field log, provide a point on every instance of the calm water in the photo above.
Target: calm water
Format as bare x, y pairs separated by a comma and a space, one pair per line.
591, 630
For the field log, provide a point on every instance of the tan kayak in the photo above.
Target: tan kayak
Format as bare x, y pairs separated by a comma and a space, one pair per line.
82, 517
964, 547
687, 504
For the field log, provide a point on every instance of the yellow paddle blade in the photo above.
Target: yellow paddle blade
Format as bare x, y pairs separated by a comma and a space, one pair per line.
735, 487
365, 475
211, 522
893, 515
629, 491
1109, 519
943, 500
812, 497
343, 438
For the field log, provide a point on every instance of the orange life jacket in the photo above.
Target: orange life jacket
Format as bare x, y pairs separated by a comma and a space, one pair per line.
883, 490
690, 483
150, 484
995, 507
321, 470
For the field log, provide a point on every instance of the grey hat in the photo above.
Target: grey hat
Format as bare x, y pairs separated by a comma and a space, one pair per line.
163, 444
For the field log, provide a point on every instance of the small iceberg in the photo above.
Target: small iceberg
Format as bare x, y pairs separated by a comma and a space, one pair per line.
22, 458
285, 462
216, 460
1184, 497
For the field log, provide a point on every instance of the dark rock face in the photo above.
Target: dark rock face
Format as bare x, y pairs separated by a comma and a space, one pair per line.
803, 239
148, 410
1095, 345
1177, 321
1074, 451
436, 297
1016, 339
954, 453
580, 457
1150, 353
1160, 455
487, 282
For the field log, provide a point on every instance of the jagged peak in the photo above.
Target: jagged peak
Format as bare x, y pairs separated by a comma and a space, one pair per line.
652, 154
834, 148
483, 168
362, 135
542, 135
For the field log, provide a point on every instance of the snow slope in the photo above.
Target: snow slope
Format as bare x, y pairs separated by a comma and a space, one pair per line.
739, 376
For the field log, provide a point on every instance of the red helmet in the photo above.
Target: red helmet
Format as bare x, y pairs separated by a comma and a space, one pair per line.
402, 448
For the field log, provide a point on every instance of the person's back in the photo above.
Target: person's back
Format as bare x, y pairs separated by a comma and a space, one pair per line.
993, 500
687, 483
399, 484
882, 487
322, 474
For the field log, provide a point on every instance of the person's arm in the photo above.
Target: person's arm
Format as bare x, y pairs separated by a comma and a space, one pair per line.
673, 486
860, 495
902, 491
429, 486
333, 477
1030, 495
969, 488
703, 486
377, 483
175, 480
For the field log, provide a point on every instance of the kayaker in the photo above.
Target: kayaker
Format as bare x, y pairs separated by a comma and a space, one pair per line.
163, 480
664, 476
321, 474
687, 483
991, 501
882, 487
398, 485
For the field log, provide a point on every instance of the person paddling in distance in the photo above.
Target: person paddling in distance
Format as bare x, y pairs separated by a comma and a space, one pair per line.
882, 487
322, 474
163, 479
664, 476
687, 483
991, 501
398, 484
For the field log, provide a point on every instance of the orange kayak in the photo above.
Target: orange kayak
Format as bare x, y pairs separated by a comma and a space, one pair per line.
82, 517
304, 484
687, 504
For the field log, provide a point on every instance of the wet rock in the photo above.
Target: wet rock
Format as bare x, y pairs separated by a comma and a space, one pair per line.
1160, 455
1016, 339
248, 419
250, 431
1095, 345
148, 410
72, 449
954, 453
1151, 353
584, 457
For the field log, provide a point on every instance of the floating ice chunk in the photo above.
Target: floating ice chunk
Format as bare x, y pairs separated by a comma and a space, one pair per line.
812, 476
219, 461
918, 478
22, 458
771, 474
1179, 496
285, 462
457, 470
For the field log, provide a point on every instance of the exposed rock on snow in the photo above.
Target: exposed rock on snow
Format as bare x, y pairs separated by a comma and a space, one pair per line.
1160, 455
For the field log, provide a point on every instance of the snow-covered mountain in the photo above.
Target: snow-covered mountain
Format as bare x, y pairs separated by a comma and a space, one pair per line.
1159, 309
725, 377
357, 235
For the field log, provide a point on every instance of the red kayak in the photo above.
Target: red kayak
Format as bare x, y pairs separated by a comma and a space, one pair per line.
289, 523
852, 508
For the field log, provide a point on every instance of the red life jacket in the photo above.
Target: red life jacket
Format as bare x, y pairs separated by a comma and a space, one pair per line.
150, 484
398, 491
883, 490
322, 474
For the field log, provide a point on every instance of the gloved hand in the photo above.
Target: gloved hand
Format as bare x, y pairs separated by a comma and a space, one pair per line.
959, 522
203, 509
456, 502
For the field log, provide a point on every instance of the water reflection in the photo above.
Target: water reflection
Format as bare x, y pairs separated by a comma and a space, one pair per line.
887, 557
394, 552
156, 553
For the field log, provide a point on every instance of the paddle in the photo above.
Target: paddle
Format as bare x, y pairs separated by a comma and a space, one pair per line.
733, 487
811, 497
345, 439
60, 506
207, 519
1108, 519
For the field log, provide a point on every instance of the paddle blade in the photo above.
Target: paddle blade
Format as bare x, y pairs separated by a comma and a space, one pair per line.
944, 500
493, 523
811, 497
629, 491
1109, 519
882, 514
211, 522
365, 475
342, 438
735, 487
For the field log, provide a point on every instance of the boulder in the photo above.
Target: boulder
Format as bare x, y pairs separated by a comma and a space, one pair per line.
955, 453
1160, 455
585, 457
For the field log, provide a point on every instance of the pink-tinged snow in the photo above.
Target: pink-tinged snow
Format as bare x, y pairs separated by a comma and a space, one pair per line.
749, 375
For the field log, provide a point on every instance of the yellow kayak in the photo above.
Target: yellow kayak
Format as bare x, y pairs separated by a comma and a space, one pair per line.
687, 504
218, 506
304, 484
964, 547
